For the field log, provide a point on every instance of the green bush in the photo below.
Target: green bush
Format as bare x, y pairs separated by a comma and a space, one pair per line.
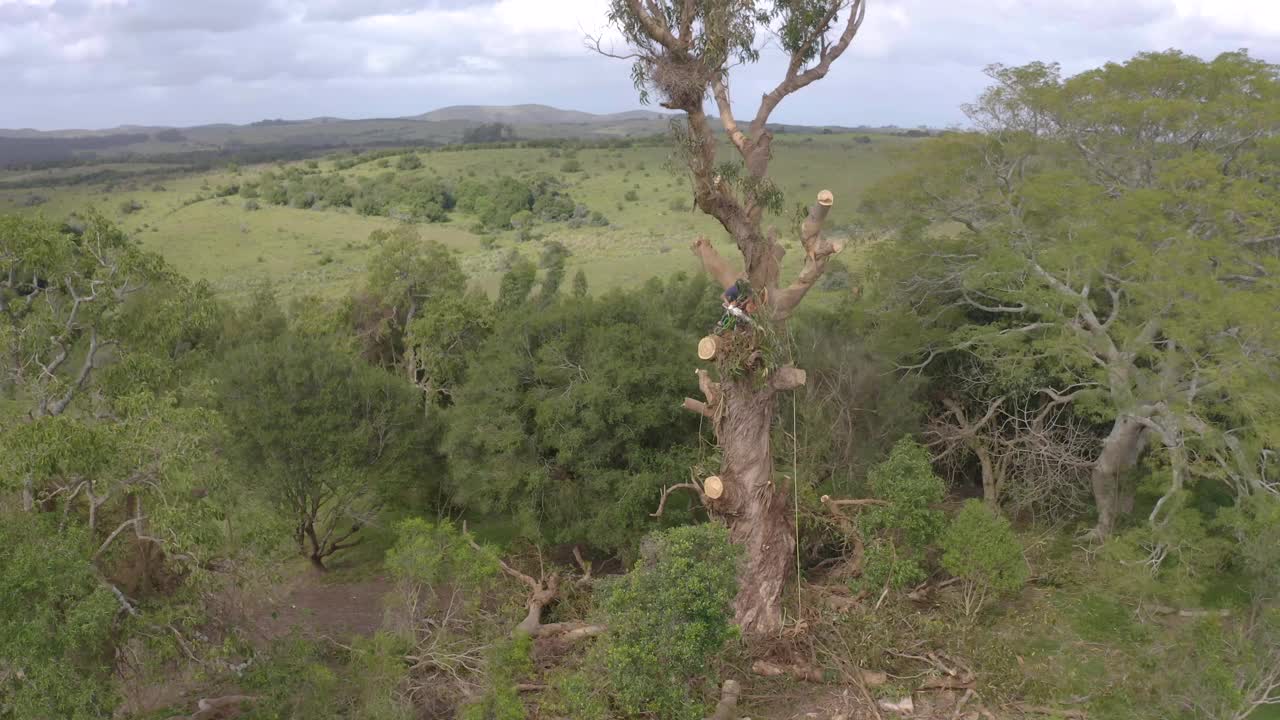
56, 619
409, 161
981, 549
668, 619
631, 196
902, 529
571, 166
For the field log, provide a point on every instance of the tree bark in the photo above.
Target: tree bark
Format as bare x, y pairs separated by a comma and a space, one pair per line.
755, 509
1120, 452
990, 486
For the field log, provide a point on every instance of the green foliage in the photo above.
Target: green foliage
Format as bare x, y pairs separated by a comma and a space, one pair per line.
908, 524
982, 550
377, 665
1133, 259
580, 284
297, 678
571, 166
509, 661
323, 433
409, 161
517, 283
565, 421
429, 555
669, 618
57, 623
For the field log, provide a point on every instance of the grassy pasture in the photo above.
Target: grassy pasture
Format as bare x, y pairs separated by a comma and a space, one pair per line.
325, 251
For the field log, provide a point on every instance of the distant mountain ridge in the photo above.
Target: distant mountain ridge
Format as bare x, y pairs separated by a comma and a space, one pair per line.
443, 126
528, 114
532, 115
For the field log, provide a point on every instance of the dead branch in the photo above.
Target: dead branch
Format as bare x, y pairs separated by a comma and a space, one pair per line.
114, 534
213, 708
1052, 712
807, 673
854, 502
542, 592
662, 504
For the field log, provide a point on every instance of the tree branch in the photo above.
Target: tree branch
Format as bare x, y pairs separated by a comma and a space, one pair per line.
114, 534
720, 89
714, 263
652, 27
697, 406
794, 79
818, 250
662, 504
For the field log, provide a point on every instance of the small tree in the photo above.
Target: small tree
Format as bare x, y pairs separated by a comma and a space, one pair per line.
322, 431
981, 549
905, 522
668, 618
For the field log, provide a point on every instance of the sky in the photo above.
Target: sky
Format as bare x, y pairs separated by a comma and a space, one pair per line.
104, 63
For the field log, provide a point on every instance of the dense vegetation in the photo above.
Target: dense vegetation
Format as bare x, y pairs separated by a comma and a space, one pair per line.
1033, 468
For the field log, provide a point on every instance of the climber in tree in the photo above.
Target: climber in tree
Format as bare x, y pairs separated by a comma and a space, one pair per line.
737, 303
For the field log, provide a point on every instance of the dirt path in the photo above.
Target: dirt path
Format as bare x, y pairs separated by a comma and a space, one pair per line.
315, 608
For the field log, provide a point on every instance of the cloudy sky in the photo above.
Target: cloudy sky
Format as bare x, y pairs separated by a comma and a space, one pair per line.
102, 63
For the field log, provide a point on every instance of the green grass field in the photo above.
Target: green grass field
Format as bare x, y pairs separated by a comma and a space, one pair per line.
326, 251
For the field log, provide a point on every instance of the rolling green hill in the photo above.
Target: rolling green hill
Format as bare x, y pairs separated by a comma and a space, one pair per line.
650, 222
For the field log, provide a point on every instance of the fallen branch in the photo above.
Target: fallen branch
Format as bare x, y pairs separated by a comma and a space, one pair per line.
542, 592
1054, 712
764, 668
729, 693
1187, 612
213, 708
856, 502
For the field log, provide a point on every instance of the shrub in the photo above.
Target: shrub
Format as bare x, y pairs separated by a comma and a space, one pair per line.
409, 161
908, 524
251, 205
631, 196
679, 205
571, 166
668, 619
129, 207
981, 549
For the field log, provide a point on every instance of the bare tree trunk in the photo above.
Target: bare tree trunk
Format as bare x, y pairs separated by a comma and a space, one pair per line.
990, 486
1120, 452
754, 507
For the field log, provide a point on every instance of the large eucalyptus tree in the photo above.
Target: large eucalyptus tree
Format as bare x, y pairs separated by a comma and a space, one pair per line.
683, 51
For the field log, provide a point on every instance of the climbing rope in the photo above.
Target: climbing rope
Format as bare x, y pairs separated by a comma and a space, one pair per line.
795, 472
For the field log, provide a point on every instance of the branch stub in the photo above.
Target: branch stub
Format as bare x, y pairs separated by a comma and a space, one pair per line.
713, 487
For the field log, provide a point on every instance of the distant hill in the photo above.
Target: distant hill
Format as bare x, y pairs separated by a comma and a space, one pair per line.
533, 115
438, 127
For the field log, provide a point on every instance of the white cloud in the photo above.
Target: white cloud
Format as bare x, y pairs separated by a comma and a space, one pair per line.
191, 61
